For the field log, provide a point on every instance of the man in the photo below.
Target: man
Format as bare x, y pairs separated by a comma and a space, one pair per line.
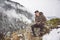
2, 36
39, 22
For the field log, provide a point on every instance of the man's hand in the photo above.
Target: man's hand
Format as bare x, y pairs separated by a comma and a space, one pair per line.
38, 23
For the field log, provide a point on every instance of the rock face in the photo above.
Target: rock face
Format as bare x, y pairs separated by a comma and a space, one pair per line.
13, 16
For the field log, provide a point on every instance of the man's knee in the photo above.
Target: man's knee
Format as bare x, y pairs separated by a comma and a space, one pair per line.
32, 26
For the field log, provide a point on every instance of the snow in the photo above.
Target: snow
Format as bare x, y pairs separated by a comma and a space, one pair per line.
53, 35
12, 14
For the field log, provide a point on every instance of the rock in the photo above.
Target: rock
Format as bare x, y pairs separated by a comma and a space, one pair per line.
13, 16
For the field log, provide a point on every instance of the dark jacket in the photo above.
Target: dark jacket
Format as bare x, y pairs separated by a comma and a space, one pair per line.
41, 18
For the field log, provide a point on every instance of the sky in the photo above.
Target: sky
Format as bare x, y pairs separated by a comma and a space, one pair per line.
48, 7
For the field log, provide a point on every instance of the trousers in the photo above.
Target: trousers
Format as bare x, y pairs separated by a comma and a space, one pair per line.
37, 26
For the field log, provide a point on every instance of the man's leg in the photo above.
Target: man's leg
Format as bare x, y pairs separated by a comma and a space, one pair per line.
41, 30
33, 26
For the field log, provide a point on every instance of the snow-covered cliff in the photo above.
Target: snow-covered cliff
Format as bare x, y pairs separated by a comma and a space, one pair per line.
13, 16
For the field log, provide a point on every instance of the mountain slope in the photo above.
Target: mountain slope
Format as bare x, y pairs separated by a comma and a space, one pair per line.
13, 16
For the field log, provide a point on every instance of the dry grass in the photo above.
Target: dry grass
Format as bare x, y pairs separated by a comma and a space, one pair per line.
27, 35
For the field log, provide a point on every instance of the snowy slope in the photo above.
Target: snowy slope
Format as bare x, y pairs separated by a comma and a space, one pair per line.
13, 16
53, 35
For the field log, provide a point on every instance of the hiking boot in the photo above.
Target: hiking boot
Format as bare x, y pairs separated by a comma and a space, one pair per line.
34, 35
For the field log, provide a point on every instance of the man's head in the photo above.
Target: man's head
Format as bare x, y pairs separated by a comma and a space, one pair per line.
37, 13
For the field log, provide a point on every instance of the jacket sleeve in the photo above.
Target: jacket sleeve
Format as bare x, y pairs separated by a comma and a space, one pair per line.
44, 19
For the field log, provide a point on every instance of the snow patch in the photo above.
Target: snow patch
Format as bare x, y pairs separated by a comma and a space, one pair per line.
53, 35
